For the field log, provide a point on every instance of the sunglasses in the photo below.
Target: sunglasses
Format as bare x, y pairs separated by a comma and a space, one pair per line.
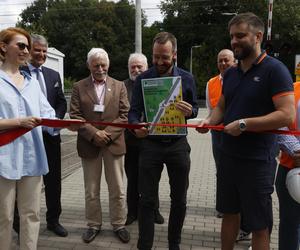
22, 46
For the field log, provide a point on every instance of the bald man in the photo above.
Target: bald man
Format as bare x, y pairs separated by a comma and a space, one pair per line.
225, 60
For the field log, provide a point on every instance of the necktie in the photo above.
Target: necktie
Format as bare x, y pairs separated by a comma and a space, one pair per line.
40, 80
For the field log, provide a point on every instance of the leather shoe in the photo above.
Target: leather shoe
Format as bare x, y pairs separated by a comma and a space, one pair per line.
57, 229
123, 235
16, 227
158, 218
90, 234
174, 247
130, 219
219, 215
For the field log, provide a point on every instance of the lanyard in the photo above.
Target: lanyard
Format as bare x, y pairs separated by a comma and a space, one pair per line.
100, 97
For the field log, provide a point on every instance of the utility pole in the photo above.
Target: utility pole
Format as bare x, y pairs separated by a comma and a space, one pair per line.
270, 13
138, 26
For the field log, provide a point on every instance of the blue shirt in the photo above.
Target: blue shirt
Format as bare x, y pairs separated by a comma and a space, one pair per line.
189, 93
290, 143
250, 94
26, 155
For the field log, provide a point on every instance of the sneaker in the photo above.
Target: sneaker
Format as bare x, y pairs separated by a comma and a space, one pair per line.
243, 236
58, 229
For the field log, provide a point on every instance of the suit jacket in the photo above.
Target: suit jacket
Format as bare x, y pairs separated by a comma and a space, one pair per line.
129, 86
116, 109
130, 138
55, 95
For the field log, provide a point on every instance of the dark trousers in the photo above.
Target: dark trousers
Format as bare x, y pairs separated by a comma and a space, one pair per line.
216, 137
176, 156
52, 181
132, 172
289, 214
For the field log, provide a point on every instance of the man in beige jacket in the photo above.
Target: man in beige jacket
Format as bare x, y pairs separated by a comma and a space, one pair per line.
104, 99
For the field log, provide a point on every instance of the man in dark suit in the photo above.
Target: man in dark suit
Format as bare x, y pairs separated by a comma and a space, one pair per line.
51, 86
137, 63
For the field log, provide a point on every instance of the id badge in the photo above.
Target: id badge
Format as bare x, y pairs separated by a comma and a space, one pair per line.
98, 108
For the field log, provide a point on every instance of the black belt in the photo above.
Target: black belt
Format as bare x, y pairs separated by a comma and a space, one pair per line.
165, 140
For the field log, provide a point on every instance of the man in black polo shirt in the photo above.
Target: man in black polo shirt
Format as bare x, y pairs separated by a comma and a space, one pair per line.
257, 96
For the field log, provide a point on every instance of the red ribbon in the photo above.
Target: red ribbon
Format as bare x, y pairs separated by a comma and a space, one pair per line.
10, 135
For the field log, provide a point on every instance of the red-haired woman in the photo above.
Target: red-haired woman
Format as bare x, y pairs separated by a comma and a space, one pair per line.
23, 161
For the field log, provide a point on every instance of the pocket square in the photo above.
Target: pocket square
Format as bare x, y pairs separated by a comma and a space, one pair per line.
56, 85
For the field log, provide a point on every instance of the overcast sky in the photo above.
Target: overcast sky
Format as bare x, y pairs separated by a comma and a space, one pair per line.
10, 10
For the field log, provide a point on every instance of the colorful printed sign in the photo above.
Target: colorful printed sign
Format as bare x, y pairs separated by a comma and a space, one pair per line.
160, 96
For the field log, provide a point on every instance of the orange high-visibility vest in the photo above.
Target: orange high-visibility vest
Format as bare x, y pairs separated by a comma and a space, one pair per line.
285, 159
214, 88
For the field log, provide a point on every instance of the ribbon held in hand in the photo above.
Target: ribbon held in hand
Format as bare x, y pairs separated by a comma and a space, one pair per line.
8, 136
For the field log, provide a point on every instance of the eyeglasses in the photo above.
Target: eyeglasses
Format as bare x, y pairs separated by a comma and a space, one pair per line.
22, 46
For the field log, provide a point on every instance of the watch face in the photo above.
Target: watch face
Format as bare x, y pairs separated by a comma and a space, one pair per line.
242, 125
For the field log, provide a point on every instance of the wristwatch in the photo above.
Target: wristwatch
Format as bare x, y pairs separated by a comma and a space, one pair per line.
242, 125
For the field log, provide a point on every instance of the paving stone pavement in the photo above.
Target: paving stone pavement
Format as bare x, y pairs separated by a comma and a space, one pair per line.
201, 229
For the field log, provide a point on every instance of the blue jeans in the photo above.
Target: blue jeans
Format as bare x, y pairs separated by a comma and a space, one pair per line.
289, 214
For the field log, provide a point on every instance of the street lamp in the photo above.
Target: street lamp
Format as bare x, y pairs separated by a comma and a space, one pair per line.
191, 60
229, 14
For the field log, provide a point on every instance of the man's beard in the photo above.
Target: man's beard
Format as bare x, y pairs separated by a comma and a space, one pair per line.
102, 74
133, 77
164, 70
243, 53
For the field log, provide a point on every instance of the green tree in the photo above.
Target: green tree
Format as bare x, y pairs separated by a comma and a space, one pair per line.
74, 27
148, 35
32, 15
204, 22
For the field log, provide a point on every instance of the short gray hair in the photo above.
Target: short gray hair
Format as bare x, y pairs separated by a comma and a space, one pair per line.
98, 53
138, 56
35, 38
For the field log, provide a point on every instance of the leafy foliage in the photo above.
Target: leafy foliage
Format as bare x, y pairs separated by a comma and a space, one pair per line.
75, 26
204, 22
148, 35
